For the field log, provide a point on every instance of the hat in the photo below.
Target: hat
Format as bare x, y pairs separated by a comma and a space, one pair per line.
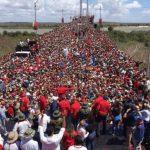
85, 106
12, 137
56, 114
29, 133
21, 116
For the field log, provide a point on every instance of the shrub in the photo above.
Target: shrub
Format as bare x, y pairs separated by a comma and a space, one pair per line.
25, 33
18, 33
110, 28
5, 33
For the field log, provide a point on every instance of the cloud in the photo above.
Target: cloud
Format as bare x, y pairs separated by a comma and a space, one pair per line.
146, 12
51, 10
133, 5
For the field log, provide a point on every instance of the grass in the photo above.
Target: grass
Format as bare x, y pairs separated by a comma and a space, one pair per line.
135, 49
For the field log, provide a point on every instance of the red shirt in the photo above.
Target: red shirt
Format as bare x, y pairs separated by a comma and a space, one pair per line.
103, 107
42, 103
24, 104
61, 90
69, 141
10, 111
75, 107
64, 107
96, 103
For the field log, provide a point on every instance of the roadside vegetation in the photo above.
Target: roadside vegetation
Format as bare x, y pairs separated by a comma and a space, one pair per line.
135, 43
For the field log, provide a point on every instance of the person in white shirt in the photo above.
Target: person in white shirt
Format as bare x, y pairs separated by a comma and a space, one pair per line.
28, 143
46, 120
78, 144
146, 113
81, 130
51, 141
22, 125
148, 84
12, 143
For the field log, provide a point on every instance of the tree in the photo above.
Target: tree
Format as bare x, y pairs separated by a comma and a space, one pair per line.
110, 28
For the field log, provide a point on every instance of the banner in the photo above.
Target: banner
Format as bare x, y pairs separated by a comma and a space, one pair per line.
35, 25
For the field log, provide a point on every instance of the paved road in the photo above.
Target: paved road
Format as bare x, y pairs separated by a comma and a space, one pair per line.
107, 142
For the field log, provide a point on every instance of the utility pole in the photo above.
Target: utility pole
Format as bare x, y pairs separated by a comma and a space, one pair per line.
80, 8
100, 19
62, 11
35, 22
87, 13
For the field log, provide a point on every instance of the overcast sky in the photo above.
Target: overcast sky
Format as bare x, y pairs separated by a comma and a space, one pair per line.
51, 10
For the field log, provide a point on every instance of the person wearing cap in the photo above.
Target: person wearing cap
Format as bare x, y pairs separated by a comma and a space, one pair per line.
24, 105
57, 121
75, 107
27, 143
130, 122
64, 107
51, 141
102, 107
84, 111
12, 143
42, 103
139, 132
22, 125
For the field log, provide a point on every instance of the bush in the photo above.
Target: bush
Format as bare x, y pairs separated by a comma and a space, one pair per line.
110, 28
33, 34
5, 33
12, 34
25, 33
18, 33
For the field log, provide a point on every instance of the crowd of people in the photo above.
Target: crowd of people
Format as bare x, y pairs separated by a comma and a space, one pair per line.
78, 79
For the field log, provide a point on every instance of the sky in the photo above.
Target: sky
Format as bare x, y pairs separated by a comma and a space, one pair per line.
51, 10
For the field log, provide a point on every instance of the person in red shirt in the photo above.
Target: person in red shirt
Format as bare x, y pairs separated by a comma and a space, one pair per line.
42, 103
95, 104
64, 107
69, 136
10, 110
102, 107
24, 105
61, 90
75, 107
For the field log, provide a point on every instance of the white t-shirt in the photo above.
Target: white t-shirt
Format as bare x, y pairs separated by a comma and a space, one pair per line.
77, 148
148, 84
21, 127
46, 120
53, 142
13, 146
29, 145
146, 114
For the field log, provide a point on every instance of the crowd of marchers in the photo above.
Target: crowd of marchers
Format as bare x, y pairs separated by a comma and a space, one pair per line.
75, 87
